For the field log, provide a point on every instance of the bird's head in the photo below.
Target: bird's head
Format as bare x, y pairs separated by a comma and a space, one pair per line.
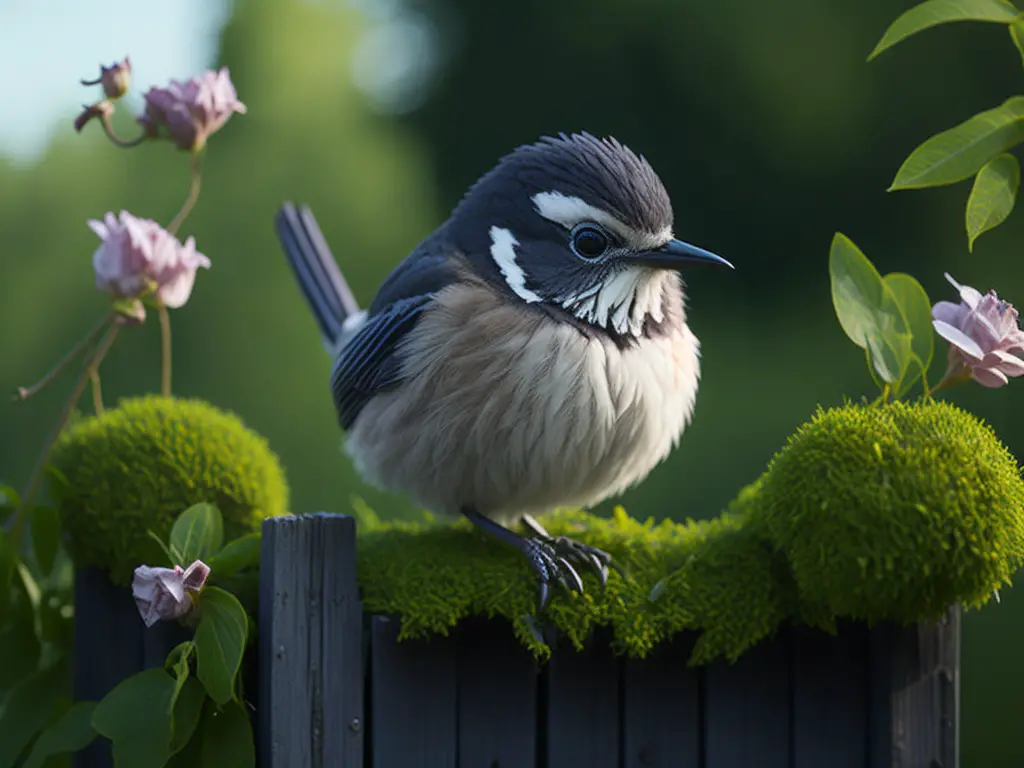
578, 223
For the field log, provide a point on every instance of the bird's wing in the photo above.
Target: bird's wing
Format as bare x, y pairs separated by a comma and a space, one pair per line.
316, 270
370, 361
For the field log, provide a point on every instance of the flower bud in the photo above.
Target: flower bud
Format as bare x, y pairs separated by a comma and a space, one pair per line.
92, 111
161, 593
115, 79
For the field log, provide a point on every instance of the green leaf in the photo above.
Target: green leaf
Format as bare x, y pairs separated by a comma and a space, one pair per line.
29, 707
935, 12
187, 708
959, 152
917, 311
220, 642
177, 653
197, 533
8, 561
45, 527
992, 196
9, 501
227, 740
1017, 35
71, 732
237, 555
136, 717
867, 310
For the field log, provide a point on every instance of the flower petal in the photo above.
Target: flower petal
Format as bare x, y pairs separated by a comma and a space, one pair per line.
989, 378
959, 339
1004, 362
969, 296
948, 312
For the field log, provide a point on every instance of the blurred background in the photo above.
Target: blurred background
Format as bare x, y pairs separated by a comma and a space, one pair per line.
763, 119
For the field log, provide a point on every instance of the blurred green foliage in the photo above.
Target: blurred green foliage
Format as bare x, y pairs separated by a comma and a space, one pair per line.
766, 124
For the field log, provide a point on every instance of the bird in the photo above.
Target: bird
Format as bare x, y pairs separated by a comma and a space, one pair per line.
531, 353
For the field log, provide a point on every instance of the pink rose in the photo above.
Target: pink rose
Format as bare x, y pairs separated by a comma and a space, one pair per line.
193, 110
161, 593
983, 334
138, 253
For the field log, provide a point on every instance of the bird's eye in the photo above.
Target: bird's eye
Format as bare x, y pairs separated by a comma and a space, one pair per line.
589, 241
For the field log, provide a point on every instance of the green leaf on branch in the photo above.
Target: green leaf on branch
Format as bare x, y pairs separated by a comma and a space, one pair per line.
917, 312
71, 732
45, 526
1017, 35
237, 555
227, 740
29, 707
868, 310
197, 533
935, 12
136, 717
992, 197
220, 642
961, 151
187, 708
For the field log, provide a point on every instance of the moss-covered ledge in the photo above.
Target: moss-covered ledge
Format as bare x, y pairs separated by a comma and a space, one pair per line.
882, 512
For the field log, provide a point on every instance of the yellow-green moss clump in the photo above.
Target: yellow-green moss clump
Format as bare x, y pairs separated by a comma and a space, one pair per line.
895, 511
881, 512
136, 467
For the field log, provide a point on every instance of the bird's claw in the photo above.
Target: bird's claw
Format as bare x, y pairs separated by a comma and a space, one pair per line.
555, 557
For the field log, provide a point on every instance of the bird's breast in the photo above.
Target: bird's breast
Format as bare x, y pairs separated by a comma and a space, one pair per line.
511, 411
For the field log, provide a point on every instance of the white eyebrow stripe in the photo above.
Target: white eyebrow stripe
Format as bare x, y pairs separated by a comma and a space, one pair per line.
570, 211
503, 251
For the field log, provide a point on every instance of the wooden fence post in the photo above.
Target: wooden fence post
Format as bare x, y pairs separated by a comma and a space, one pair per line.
310, 644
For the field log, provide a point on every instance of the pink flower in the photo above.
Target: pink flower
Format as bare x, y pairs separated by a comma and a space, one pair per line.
160, 593
193, 110
983, 334
139, 254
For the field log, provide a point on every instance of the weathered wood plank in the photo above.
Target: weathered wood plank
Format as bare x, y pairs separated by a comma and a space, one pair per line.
661, 720
830, 697
497, 697
747, 708
915, 696
310, 669
413, 699
582, 704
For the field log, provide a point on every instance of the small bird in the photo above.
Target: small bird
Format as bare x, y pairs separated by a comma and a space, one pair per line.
529, 354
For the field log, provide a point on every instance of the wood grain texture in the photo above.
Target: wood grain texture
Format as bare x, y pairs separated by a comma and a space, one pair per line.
310, 625
497, 697
661, 717
414, 703
582, 705
830, 697
915, 698
747, 708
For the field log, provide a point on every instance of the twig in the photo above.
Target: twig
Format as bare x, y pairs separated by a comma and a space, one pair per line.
195, 183
32, 485
97, 392
24, 393
112, 134
165, 350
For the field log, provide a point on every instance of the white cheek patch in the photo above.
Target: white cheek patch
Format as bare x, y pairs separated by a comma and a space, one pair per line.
622, 302
570, 211
503, 251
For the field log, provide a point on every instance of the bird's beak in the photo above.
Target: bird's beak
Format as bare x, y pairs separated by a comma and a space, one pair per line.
675, 254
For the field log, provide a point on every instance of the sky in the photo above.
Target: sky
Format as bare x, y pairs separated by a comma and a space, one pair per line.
46, 46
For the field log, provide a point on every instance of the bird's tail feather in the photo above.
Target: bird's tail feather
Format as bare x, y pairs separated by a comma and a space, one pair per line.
316, 270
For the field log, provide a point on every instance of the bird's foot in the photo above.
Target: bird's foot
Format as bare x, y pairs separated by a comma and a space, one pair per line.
553, 558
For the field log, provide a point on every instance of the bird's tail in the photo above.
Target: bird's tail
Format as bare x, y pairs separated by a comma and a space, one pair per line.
316, 270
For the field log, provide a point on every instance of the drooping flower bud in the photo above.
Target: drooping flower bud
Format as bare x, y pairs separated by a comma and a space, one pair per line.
115, 79
91, 112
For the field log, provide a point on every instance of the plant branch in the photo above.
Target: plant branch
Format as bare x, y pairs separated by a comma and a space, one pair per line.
24, 393
97, 392
117, 140
69, 405
165, 350
195, 183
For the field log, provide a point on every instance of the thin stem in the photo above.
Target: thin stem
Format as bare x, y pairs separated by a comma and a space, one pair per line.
97, 392
195, 182
165, 350
24, 393
69, 405
117, 140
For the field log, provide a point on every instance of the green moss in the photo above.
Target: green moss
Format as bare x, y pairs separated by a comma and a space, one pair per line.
895, 511
136, 467
885, 512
